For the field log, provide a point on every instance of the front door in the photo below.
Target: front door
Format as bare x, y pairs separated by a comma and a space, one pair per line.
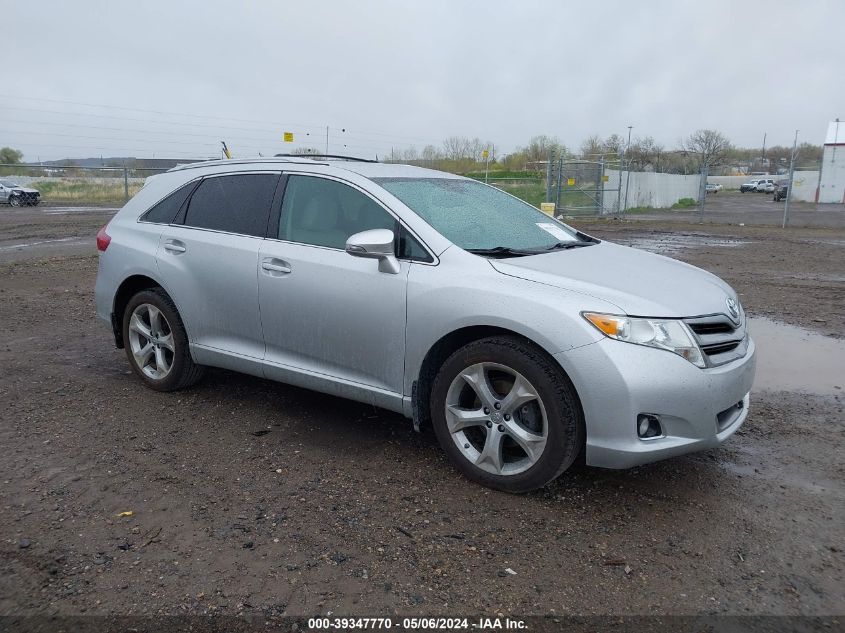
327, 314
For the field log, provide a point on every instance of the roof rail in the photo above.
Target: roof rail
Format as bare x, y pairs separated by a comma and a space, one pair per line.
241, 161
338, 156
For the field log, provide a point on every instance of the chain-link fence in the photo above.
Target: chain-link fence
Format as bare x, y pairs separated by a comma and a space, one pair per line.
75, 184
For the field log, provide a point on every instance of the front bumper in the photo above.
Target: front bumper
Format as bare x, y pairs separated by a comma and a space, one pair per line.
617, 381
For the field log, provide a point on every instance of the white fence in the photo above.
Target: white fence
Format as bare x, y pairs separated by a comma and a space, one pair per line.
648, 189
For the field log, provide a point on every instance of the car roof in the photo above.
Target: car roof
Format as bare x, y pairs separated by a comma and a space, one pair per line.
366, 169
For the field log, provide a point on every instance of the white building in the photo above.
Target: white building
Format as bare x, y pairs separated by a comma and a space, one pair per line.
832, 179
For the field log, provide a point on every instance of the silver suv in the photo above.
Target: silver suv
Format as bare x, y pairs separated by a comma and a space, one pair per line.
520, 340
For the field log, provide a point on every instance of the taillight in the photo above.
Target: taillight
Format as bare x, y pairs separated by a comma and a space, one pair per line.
103, 239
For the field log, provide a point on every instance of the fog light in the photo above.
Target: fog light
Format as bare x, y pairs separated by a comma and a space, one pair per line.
648, 426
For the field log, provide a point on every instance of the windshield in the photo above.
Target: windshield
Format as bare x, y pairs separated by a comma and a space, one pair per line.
477, 217
8, 183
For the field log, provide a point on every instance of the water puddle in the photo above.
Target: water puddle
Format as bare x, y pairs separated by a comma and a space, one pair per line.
790, 358
674, 242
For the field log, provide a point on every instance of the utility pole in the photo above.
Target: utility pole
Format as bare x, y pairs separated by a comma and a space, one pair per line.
125, 182
763, 155
549, 176
789, 186
327, 140
705, 169
628, 178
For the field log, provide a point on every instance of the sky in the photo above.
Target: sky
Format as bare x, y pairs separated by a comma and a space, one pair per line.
174, 78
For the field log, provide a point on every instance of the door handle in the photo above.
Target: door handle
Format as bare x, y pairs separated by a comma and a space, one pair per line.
174, 246
275, 266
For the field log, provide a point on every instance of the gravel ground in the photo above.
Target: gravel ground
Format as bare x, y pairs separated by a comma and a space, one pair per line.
258, 498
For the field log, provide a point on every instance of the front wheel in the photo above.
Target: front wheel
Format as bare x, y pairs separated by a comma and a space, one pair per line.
506, 414
156, 342
15, 201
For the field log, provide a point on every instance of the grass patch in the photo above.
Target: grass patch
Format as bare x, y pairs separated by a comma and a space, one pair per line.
532, 192
685, 203
85, 192
516, 175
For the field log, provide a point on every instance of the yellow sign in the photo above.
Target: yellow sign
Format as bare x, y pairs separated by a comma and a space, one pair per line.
485, 154
288, 137
605, 178
548, 208
570, 182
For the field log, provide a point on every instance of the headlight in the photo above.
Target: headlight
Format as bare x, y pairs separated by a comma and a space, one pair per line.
668, 334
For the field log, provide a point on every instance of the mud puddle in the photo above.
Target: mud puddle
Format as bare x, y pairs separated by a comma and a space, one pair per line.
674, 242
790, 358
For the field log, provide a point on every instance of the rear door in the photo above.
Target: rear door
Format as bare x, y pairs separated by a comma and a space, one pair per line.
208, 260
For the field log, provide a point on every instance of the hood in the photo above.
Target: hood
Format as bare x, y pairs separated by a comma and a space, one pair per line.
637, 282
24, 189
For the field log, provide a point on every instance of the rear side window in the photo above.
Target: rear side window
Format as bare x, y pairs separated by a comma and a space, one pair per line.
165, 211
234, 204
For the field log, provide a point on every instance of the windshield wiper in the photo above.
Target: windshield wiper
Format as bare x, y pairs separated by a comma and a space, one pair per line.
560, 246
500, 251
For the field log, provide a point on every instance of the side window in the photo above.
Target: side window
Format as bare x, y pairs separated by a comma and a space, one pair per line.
235, 204
410, 248
325, 212
165, 211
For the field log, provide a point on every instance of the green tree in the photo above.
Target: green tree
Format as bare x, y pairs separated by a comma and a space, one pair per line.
9, 156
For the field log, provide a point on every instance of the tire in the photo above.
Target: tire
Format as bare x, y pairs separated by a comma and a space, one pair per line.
542, 413
15, 201
156, 343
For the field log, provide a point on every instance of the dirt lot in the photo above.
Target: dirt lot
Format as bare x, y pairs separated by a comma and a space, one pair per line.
258, 498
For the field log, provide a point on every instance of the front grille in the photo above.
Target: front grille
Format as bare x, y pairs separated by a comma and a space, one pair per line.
719, 337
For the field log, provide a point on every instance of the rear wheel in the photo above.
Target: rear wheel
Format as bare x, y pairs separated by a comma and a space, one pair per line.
156, 342
506, 414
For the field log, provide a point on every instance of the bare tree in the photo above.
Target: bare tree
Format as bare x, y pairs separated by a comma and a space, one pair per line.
592, 147
430, 154
643, 153
710, 147
457, 147
613, 144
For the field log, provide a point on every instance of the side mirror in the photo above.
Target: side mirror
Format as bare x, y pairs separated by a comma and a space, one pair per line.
375, 244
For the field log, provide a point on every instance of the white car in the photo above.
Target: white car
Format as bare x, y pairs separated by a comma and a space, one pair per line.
765, 185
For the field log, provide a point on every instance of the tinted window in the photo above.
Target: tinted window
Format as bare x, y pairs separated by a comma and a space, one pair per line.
410, 248
165, 211
326, 212
235, 204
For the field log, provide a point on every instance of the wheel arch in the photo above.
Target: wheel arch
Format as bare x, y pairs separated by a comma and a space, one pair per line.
127, 289
444, 347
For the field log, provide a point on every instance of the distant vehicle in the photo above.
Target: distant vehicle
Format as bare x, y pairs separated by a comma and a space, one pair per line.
765, 185
712, 188
781, 190
15, 195
748, 186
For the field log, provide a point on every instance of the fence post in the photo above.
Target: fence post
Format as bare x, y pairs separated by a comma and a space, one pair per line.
791, 176
549, 177
600, 187
125, 182
702, 195
559, 181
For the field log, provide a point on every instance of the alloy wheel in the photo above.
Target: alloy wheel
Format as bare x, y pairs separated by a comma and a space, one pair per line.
496, 418
151, 341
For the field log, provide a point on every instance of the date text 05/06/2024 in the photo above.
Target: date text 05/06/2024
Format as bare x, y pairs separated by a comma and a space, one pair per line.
423, 623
